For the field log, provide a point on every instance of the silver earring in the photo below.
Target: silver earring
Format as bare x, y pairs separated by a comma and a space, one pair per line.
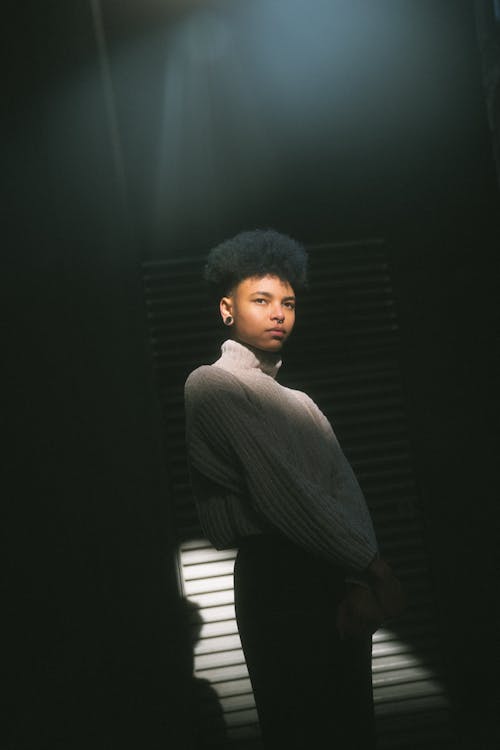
228, 321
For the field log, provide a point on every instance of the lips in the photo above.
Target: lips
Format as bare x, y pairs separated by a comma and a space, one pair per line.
277, 331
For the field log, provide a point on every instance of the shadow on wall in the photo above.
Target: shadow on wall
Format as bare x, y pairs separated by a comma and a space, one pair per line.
208, 728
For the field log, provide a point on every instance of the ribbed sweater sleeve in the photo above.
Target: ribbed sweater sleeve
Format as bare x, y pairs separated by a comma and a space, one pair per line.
229, 439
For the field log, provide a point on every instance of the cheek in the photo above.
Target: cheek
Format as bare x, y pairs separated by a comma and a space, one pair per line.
247, 316
254, 312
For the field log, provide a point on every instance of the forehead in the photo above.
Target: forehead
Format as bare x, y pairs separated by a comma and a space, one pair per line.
271, 284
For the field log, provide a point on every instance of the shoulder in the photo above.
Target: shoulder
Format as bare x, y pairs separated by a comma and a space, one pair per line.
198, 376
312, 407
208, 382
208, 375
299, 396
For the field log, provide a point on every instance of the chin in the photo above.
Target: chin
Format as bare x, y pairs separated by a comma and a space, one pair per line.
273, 346
268, 345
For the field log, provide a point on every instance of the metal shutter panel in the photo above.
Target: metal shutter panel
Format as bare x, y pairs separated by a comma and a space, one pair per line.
348, 334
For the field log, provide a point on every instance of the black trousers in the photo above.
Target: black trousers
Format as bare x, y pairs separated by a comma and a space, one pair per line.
312, 689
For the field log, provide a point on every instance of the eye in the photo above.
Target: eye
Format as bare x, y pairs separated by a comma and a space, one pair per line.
260, 300
290, 305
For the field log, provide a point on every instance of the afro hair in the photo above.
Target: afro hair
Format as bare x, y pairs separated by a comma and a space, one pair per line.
261, 252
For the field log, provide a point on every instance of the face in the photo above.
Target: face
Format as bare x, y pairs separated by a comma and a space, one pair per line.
263, 311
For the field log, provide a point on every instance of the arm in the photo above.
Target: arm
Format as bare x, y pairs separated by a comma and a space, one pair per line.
226, 430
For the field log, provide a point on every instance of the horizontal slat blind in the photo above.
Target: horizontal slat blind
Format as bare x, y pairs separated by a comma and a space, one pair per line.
344, 353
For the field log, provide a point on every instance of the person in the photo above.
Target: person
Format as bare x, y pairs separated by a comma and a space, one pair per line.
270, 479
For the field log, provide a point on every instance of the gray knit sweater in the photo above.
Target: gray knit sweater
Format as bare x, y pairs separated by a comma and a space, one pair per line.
264, 458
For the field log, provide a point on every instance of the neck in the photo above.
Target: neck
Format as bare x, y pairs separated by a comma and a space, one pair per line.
238, 355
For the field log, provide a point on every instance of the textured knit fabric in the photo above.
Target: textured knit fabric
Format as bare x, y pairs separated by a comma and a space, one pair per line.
264, 459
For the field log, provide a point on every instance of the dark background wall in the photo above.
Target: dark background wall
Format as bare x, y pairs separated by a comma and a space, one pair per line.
94, 652
340, 122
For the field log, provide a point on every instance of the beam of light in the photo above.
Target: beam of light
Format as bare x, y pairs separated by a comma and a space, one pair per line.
263, 97
110, 99
213, 147
263, 105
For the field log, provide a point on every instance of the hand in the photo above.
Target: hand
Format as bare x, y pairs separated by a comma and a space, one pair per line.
386, 587
359, 613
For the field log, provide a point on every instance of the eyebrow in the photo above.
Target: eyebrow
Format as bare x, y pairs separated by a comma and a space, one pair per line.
269, 295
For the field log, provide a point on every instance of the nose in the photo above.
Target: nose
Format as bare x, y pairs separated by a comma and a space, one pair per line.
278, 314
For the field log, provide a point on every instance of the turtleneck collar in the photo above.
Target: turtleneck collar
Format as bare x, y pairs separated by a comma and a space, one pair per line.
236, 356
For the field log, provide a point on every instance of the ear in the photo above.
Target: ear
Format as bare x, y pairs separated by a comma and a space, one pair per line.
226, 307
